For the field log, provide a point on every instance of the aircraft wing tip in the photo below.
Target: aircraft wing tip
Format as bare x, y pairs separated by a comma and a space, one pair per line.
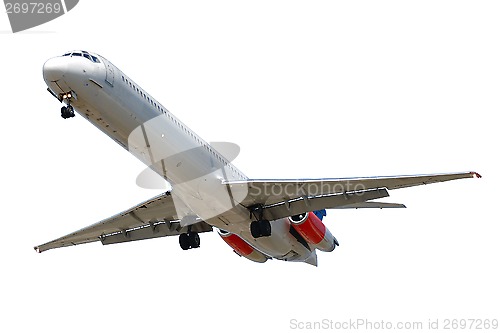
476, 175
37, 249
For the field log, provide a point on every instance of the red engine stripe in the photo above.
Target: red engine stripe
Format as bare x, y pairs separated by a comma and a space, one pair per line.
238, 244
312, 229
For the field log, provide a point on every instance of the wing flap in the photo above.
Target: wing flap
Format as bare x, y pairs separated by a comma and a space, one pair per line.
153, 230
307, 204
379, 205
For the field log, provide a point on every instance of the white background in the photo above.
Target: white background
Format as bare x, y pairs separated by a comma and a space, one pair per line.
307, 89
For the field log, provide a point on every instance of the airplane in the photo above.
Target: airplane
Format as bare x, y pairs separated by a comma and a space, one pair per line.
260, 219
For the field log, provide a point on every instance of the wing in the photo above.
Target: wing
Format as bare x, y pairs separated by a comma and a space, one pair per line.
282, 198
153, 218
372, 204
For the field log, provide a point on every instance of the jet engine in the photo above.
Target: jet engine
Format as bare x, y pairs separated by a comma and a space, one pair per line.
312, 229
241, 247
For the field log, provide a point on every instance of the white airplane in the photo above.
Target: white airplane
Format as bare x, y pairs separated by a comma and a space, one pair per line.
260, 219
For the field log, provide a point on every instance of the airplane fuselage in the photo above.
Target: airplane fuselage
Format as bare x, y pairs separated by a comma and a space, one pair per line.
120, 108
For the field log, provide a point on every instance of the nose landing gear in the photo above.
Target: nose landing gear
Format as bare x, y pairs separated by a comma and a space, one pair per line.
67, 111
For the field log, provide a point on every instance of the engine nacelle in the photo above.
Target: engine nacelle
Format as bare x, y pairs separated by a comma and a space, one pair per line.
241, 247
312, 229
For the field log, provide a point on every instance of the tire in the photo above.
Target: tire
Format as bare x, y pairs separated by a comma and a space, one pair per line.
265, 228
194, 240
184, 241
255, 229
64, 112
71, 111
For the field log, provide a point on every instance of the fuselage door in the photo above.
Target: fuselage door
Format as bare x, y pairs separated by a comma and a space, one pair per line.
110, 73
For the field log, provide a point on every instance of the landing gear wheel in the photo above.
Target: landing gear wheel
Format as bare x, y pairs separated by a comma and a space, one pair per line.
64, 112
194, 240
255, 229
261, 228
71, 111
265, 228
184, 241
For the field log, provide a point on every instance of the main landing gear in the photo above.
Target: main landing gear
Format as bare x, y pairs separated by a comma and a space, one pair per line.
190, 240
260, 227
67, 111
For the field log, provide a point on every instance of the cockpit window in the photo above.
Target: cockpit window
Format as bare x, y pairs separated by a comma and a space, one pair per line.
83, 54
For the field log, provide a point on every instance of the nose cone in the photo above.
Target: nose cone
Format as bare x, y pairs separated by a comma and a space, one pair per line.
54, 69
